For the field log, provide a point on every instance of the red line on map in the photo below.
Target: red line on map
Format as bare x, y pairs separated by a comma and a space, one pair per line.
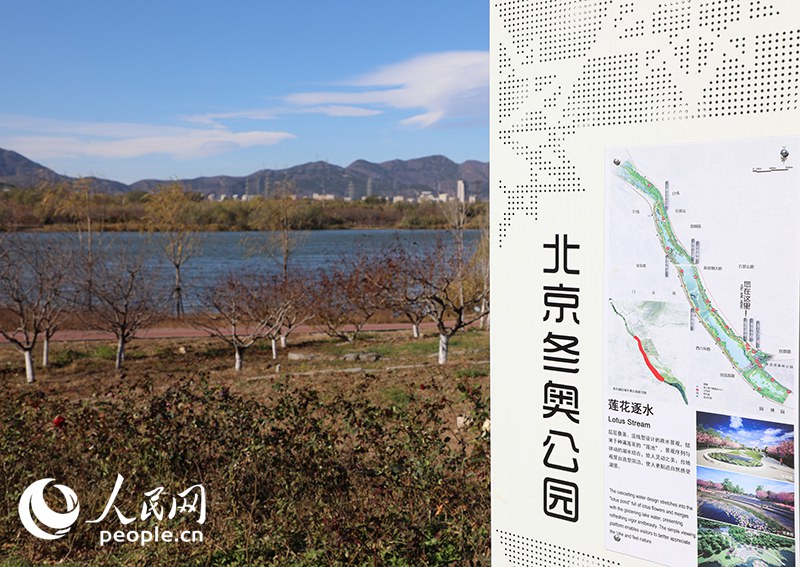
647, 360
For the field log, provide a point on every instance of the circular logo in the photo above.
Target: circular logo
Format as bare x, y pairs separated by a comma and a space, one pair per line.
32, 505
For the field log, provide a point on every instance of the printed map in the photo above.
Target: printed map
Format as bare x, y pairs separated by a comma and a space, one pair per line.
702, 275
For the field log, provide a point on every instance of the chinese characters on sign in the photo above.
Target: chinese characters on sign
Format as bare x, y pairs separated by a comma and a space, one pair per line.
560, 405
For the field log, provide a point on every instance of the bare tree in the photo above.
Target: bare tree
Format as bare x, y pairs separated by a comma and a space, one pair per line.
278, 217
399, 289
346, 297
33, 275
127, 299
296, 295
168, 219
453, 293
75, 200
480, 265
238, 313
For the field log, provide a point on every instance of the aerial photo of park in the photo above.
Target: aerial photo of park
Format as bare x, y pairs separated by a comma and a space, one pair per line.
723, 545
748, 446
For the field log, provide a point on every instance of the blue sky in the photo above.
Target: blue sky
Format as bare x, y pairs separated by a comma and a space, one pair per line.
155, 89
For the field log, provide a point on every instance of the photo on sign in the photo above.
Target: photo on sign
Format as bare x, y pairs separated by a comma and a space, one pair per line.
746, 501
723, 545
747, 446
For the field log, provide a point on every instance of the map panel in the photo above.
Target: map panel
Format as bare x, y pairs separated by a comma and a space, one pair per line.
701, 283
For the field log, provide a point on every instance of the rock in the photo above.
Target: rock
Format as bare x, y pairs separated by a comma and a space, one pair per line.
182, 350
300, 356
361, 357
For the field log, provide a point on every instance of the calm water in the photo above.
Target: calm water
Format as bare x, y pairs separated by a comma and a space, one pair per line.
222, 253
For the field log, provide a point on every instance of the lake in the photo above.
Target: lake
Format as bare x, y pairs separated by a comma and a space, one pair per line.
222, 253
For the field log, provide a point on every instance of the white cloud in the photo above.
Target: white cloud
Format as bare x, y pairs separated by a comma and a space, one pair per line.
40, 138
736, 422
449, 85
341, 110
774, 436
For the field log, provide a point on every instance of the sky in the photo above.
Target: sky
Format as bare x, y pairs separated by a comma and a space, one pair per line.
182, 89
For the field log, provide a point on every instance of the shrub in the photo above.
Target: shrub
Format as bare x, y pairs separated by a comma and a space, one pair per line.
298, 481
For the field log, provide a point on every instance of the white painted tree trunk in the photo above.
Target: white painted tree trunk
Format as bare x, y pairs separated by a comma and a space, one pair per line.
444, 342
239, 359
415, 330
45, 352
274, 349
120, 354
29, 373
283, 341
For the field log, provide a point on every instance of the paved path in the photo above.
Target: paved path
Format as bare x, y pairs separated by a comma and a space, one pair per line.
770, 468
195, 332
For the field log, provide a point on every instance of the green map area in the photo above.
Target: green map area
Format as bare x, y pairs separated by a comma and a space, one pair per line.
747, 360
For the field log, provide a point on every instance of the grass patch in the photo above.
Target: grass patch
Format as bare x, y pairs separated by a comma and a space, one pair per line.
105, 352
66, 357
398, 396
472, 372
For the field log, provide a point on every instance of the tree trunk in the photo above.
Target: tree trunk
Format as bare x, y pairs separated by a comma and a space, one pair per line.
29, 373
239, 359
283, 340
120, 354
444, 342
274, 349
415, 330
46, 351
178, 292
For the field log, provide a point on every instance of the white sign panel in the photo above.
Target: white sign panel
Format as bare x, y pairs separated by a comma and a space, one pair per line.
646, 282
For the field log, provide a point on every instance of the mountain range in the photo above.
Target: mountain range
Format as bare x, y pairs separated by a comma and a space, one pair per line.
396, 177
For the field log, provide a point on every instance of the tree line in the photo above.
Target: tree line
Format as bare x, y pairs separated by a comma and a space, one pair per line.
42, 281
59, 206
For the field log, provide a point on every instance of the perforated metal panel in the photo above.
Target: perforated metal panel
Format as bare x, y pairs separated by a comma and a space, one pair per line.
527, 552
570, 79
616, 63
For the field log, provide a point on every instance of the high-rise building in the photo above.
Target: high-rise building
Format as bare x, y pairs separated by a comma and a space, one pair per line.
461, 191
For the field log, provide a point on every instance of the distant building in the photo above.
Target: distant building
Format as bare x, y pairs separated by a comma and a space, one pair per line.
426, 196
211, 196
398, 199
444, 197
473, 199
323, 197
461, 191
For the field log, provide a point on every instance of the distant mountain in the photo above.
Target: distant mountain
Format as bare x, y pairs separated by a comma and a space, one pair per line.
18, 171
437, 174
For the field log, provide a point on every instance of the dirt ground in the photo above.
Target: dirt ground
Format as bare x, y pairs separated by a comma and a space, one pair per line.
83, 370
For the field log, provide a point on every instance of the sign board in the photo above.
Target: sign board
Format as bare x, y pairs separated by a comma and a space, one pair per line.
645, 282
